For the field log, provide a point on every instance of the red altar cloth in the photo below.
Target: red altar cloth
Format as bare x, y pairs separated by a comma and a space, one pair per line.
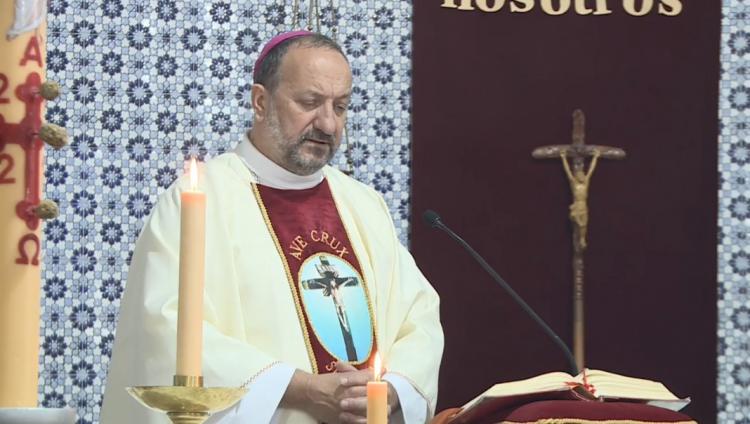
574, 412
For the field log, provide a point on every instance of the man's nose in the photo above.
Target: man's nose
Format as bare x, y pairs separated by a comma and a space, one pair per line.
326, 119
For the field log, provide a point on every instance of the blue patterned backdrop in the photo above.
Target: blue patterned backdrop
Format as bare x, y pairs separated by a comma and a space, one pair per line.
734, 217
149, 82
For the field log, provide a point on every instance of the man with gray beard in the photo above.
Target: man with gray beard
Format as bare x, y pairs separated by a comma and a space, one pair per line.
282, 229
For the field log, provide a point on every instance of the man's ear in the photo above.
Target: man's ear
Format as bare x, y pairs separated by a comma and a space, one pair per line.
260, 98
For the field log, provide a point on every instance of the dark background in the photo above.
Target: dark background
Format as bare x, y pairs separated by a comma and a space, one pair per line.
490, 87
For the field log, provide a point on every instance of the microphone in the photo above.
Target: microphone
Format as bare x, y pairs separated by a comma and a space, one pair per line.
432, 219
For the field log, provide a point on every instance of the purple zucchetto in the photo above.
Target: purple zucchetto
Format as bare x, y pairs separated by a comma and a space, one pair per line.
272, 43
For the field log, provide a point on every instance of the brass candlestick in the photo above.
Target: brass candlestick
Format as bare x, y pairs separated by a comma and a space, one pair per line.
187, 401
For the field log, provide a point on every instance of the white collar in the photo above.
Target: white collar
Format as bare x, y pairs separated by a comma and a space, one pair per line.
268, 173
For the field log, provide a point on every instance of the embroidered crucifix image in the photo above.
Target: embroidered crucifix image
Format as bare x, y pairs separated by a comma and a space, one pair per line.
330, 282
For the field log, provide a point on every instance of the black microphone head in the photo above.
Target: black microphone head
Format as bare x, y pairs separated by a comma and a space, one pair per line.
431, 218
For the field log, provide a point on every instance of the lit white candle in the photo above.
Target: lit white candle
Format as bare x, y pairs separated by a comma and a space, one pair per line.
192, 271
377, 396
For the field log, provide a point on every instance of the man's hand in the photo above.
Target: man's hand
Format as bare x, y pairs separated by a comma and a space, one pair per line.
339, 397
354, 402
316, 394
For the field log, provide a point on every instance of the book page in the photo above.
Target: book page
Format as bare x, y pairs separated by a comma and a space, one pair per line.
598, 384
541, 383
553, 381
608, 385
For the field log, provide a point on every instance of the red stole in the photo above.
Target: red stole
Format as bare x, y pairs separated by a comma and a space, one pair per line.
325, 277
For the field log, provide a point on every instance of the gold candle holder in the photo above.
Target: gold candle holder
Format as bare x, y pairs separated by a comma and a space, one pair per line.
187, 401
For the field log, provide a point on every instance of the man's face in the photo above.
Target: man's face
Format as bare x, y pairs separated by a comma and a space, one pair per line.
306, 112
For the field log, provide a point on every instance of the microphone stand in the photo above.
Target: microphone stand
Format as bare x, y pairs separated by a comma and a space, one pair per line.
433, 220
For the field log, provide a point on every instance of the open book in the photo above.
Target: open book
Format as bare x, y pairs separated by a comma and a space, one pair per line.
589, 385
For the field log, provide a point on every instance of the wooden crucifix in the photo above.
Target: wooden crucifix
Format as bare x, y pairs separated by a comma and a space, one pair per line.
579, 179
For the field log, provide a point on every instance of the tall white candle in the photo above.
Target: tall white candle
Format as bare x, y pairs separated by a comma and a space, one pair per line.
192, 274
20, 258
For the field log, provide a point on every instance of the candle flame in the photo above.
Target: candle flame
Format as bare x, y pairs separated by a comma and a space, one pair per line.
193, 174
378, 369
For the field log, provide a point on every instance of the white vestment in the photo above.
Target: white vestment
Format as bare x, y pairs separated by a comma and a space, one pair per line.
251, 325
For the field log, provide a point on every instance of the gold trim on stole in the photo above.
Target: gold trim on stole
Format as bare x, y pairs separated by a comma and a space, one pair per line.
373, 317
290, 279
